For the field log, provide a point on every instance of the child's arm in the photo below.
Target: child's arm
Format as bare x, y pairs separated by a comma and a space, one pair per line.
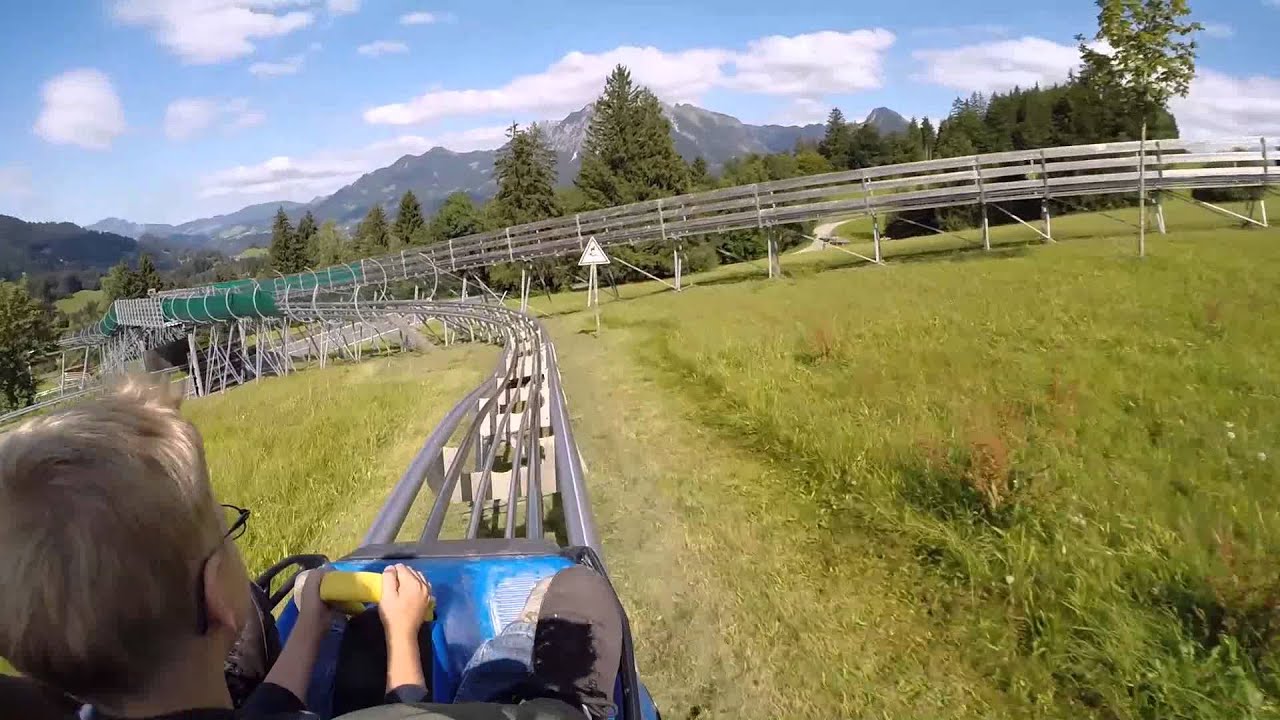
292, 670
405, 597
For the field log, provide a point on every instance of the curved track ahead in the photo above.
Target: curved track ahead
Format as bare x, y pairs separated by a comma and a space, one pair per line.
521, 400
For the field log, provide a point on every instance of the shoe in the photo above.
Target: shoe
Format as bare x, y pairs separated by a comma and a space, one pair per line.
529, 614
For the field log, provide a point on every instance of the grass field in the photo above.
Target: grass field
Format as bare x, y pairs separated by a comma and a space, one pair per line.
252, 253
1035, 482
1031, 483
314, 454
75, 303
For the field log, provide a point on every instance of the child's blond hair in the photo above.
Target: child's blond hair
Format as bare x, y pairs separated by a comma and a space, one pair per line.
106, 516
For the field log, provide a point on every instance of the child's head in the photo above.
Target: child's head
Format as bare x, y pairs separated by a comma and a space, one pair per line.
108, 532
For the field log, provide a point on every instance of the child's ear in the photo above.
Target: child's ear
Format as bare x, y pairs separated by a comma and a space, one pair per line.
225, 596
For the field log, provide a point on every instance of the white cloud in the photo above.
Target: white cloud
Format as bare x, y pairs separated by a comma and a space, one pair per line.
803, 65
288, 66
803, 111
419, 18
302, 178
382, 47
996, 66
187, 117
814, 64
343, 7
1219, 31
1220, 105
80, 108
213, 31
15, 182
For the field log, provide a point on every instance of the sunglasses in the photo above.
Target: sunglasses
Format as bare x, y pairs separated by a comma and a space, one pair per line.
237, 521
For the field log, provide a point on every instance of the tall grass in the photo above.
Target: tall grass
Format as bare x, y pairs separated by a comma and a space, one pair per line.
314, 454
1081, 444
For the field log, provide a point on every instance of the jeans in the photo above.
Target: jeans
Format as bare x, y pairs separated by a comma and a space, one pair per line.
500, 666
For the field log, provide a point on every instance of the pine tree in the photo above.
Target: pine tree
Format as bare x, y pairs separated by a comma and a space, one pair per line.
408, 219
284, 247
526, 175
604, 152
867, 148
699, 176
305, 241
122, 283
835, 142
27, 331
928, 138
372, 235
907, 147
148, 277
628, 155
654, 169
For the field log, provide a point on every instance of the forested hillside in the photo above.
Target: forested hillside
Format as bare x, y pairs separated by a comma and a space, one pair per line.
36, 248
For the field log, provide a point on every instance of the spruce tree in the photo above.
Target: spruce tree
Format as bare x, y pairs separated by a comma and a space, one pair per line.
283, 250
605, 152
906, 147
148, 277
121, 283
835, 142
305, 242
699, 176
629, 155
867, 148
526, 175
654, 168
372, 233
408, 219
928, 138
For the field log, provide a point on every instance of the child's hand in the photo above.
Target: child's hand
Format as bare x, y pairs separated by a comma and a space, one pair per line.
405, 598
312, 611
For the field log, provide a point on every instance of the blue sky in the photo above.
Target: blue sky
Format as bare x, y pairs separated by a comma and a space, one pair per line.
170, 110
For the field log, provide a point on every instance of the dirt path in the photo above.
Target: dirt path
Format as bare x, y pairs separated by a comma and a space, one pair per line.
821, 234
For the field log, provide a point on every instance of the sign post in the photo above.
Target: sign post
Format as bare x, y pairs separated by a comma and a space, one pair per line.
593, 257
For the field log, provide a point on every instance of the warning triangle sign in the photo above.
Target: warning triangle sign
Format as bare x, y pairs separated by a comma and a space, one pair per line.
593, 254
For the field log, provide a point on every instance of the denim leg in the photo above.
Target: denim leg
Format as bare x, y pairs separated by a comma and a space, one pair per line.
499, 666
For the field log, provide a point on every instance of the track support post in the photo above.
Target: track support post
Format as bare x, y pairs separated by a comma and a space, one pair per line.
193, 358
525, 282
675, 264
875, 238
986, 229
1142, 193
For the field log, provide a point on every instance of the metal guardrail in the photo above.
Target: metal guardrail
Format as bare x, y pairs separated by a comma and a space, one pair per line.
1058, 172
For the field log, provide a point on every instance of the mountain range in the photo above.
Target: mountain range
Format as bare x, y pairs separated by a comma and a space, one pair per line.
437, 173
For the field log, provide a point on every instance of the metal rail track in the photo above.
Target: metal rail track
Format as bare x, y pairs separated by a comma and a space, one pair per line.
992, 179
